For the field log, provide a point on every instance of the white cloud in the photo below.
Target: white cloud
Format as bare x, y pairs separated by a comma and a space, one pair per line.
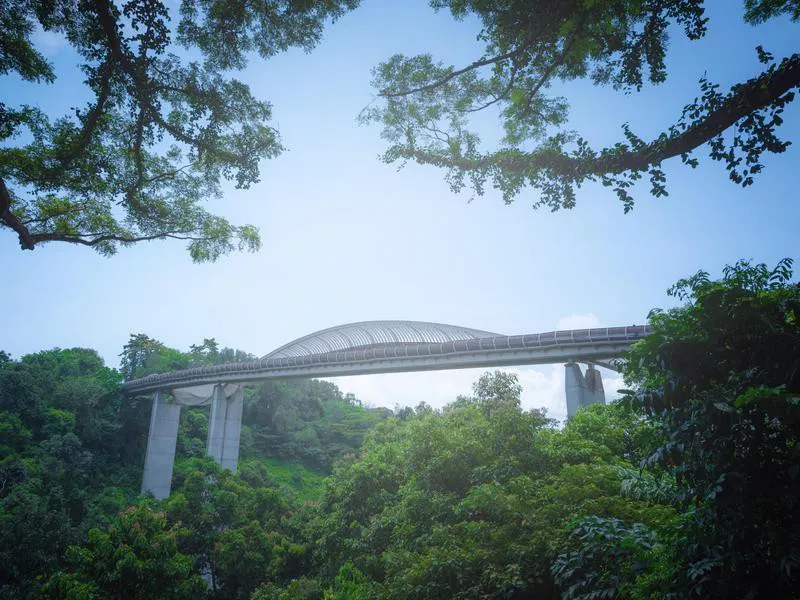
586, 321
437, 388
611, 383
542, 386
48, 42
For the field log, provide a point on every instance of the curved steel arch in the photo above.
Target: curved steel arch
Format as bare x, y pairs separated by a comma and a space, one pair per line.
370, 334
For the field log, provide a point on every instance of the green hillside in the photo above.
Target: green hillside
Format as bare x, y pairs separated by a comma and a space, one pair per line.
72, 449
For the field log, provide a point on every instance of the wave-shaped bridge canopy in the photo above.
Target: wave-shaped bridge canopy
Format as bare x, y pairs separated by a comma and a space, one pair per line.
370, 334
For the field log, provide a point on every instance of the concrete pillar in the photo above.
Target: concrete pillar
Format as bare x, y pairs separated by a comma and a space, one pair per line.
216, 423
594, 387
225, 427
233, 430
574, 384
582, 390
161, 439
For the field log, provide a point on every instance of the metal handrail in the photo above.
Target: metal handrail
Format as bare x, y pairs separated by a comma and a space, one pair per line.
388, 351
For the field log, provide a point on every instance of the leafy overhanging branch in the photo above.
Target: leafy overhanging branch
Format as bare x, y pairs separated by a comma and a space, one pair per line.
769, 89
425, 106
429, 87
548, 165
160, 134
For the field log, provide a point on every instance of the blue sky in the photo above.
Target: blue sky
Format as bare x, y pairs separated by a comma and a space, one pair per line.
347, 238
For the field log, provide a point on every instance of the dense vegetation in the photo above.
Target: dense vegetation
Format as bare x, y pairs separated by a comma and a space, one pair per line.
71, 454
686, 487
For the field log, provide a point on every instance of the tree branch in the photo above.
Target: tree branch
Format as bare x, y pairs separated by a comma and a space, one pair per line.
92, 118
111, 237
559, 60
108, 22
511, 80
69, 211
26, 240
29, 240
743, 100
476, 65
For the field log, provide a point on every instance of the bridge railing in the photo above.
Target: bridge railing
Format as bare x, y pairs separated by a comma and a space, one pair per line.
599, 336
575, 336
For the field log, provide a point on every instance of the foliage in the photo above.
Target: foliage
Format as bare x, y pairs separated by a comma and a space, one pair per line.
609, 557
239, 529
303, 588
530, 45
469, 503
687, 487
136, 353
136, 557
496, 391
722, 373
165, 124
142, 355
350, 584
306, 484
60, 461
192, 433
71, 454
308, 421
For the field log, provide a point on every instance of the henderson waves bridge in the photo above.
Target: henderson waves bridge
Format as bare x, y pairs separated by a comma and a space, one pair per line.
359, 349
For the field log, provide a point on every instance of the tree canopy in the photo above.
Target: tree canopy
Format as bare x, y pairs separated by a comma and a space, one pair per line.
72, 448
165, 124
531, 45
722, 374
686, 487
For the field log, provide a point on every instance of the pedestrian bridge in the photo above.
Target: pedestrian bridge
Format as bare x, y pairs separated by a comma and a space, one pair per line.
402, 346
358, 349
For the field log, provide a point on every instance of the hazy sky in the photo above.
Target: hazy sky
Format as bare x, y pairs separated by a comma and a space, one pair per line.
347, 238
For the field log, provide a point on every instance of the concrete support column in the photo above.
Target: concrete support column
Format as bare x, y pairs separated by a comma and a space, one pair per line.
233, 430
225, 426
216, 423
161, 440
582, 390
574, 384
594, 387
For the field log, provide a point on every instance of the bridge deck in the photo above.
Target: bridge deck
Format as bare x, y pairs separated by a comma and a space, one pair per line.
580, 345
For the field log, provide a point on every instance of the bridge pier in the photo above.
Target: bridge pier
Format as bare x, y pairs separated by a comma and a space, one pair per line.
582, 390
224, 432
225, 426
161, 440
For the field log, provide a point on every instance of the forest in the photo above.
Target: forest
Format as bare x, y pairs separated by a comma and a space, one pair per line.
685, 486
126, 124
